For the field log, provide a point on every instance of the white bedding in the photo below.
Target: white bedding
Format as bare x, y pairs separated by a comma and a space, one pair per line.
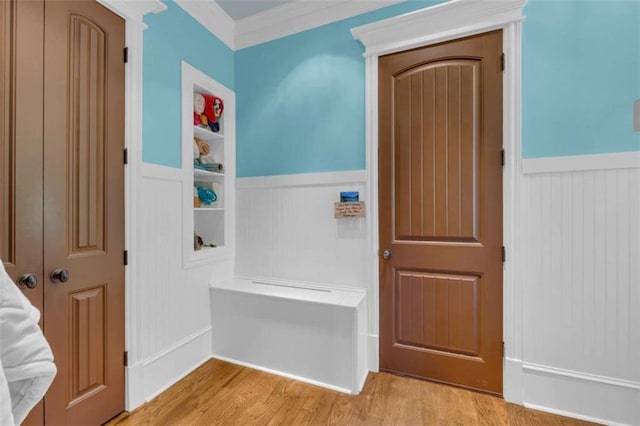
25, 355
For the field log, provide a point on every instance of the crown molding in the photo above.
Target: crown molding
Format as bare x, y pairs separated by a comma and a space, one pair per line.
431, 25
211, 16
134, 10
299, 16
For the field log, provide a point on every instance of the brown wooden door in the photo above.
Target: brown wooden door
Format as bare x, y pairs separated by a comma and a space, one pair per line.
440, 197
62, 192
84, 210
21, 132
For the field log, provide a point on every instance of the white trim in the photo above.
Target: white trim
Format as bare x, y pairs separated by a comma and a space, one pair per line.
580, 395
133, 13
372, 353
158, 172
154, 375
513, 370
371, 149
446, 21
282, 374
213, 17
298, 16
449, 21
572, 163
570, 414
306, 179
554, 371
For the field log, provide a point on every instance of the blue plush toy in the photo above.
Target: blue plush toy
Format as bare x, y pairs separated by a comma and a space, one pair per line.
207, 195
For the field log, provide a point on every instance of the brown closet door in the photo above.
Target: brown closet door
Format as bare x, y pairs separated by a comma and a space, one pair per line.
84, 210
21, 131
441, 212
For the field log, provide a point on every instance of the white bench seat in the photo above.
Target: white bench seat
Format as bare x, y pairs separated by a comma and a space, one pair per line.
309, 333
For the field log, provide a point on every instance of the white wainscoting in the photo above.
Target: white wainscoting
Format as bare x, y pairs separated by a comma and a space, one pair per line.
173, 325
286, 229
579, 273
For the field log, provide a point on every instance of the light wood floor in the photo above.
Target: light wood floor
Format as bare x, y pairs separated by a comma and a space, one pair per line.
226, 394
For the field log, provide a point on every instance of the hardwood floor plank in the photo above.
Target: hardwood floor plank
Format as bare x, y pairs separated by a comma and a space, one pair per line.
219, 393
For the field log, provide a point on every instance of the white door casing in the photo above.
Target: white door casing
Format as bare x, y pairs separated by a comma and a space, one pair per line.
448, 21
132, 12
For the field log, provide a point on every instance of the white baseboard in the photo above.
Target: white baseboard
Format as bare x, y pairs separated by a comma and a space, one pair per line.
512, 388
363, 381
584, 396
135, 386
148, 378
373, 361
282, 374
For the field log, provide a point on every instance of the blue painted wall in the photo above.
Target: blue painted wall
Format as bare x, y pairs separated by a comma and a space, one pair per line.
301, 104
581, 75
174, 36
301, 100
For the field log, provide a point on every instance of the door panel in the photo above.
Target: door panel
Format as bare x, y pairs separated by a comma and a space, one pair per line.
86, 117
437, 311
440, 202
84, 198
21, 133
21, 129
436, 179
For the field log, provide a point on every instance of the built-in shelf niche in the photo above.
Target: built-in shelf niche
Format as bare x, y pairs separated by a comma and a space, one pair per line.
213, 223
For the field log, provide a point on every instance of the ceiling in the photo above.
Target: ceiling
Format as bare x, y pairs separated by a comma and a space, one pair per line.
239, 9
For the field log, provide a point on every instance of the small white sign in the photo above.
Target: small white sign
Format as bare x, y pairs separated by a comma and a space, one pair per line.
349, 209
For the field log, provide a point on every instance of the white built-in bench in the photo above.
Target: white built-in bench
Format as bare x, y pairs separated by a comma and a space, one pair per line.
309, 333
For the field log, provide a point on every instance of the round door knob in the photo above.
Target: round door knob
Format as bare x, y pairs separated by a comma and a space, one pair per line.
60, 275
386, 254
28, 280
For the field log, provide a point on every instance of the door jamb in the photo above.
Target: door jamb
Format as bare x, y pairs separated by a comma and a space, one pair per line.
132, 12
449, 21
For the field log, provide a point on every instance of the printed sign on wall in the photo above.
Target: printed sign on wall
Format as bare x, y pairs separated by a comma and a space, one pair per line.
349, 209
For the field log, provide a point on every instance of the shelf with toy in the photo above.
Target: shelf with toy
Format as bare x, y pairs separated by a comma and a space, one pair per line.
209, 209
206, 134
207, 111
208, 129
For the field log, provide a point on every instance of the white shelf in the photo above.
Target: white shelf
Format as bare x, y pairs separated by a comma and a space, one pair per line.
200, 175
214, 223
206, 135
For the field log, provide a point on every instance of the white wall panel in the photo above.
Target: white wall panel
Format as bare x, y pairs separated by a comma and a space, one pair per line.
580, 274
172, 303
286, 230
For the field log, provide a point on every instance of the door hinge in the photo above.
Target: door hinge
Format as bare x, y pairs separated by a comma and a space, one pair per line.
126, 257
502, 61
502, 349
502, 157
126, 359
504, 254
126, 55
126, 156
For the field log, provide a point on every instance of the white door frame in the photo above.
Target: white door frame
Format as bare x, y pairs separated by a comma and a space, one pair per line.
132, 11
444, 22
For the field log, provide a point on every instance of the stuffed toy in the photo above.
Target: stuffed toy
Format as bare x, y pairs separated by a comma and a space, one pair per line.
203, 147
213, 108
198, 110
